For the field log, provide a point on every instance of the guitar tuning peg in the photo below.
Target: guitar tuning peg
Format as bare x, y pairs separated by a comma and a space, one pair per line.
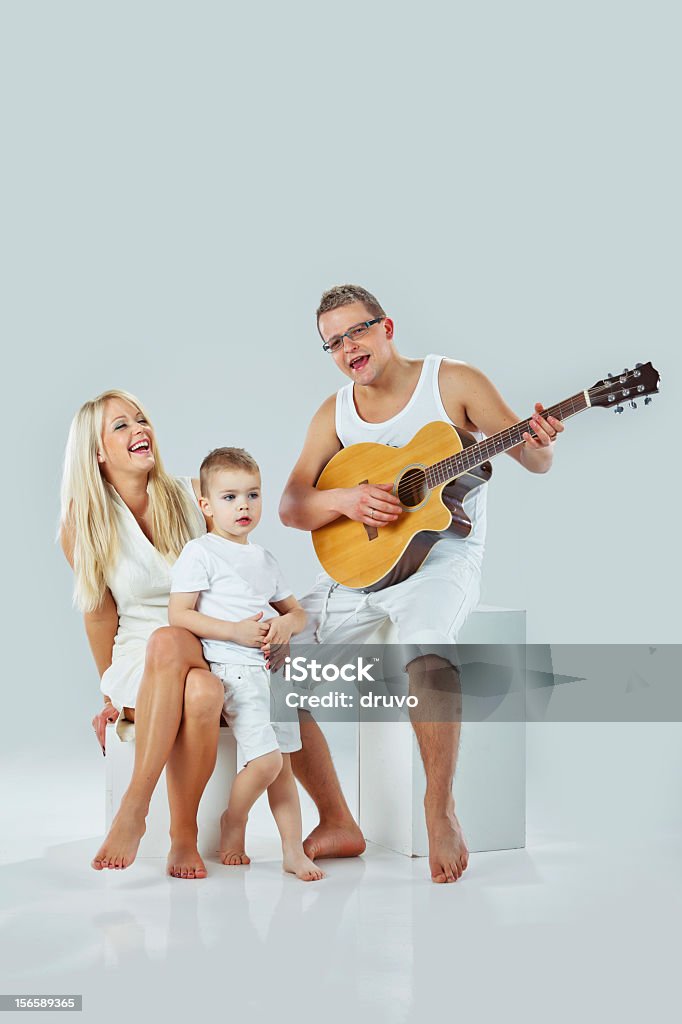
637, 366
647, 399
633, 404
619, 408
609, 376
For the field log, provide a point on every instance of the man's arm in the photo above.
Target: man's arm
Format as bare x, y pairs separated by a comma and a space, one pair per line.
465, 387
306, 508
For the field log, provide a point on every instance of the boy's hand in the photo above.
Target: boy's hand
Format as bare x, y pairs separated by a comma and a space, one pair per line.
249, 632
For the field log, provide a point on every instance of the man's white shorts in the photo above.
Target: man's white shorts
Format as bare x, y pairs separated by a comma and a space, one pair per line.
428, 609
252, 711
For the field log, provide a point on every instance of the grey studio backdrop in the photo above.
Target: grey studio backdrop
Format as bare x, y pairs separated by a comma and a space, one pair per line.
181, 182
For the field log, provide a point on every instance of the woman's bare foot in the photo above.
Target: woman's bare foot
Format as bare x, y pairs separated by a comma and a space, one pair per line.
183, 858
296, 862
448, 853
119, 849
232, 841
335, 840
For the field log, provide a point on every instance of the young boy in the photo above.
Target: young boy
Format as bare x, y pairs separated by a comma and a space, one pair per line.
222, 588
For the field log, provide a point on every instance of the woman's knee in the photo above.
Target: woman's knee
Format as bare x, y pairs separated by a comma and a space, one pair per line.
204, 695
170, 647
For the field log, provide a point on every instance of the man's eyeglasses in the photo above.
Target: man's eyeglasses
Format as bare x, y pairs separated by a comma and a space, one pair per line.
353, 333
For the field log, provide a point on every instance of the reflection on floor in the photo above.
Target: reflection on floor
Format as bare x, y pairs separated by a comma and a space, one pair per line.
558, 930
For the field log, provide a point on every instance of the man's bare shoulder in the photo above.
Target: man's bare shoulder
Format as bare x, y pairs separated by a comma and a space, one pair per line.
324, 419
328, 406
466, 393
321, 435
458, 373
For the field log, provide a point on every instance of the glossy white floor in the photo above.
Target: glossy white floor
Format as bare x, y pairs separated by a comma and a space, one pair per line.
574, 926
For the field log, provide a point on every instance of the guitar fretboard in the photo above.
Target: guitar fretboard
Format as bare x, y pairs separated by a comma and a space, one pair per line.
476, 454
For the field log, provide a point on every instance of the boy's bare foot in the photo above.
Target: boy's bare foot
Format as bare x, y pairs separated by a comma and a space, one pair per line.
232, 842
296, 862
448, 854
335, 840
184, 860
119, 849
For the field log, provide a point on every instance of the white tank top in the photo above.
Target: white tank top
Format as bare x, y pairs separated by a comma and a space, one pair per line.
425, 406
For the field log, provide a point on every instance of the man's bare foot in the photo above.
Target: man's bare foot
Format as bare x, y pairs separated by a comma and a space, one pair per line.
448, 854
184, 860
119, 849
327, 840
296, 862
232, 842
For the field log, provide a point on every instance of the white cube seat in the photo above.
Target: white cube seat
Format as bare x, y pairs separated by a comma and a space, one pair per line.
490, 780
155, 842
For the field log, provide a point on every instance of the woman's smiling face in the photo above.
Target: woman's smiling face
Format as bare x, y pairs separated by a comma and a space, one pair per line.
127, 440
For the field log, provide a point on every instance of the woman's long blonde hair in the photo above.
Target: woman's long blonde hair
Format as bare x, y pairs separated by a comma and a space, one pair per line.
87, 504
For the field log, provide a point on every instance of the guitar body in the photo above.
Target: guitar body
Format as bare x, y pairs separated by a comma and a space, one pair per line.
371, 558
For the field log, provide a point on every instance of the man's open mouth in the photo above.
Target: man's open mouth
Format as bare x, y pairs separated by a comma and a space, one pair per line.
139, 446
359, 362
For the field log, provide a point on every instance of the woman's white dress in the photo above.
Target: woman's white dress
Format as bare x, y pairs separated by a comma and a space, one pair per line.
140, 585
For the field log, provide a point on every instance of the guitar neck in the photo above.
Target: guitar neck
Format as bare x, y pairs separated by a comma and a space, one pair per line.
476, 454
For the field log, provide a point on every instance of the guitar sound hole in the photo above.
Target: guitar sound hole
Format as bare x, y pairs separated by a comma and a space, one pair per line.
412, 487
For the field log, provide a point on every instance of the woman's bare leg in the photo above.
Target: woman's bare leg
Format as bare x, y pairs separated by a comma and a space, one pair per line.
189, 768
171, 653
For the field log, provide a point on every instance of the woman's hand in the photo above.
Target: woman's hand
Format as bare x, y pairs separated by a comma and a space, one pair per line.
275, 646
279, 631
99, 722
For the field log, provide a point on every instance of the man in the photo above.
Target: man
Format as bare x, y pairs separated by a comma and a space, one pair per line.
389, 398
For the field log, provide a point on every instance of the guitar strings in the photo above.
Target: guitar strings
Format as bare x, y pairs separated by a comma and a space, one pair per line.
469, 458
442, 471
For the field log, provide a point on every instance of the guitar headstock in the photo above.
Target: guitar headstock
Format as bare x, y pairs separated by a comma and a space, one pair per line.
642, 382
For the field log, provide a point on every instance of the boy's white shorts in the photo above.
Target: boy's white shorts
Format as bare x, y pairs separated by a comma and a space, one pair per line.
259, 719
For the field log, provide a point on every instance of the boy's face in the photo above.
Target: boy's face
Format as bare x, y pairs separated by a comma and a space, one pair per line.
233, 503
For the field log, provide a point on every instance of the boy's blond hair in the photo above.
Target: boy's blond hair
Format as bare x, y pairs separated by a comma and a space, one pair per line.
224, 458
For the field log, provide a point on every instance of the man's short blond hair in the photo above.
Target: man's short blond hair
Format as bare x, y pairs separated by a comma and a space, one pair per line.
344, 295
224, 458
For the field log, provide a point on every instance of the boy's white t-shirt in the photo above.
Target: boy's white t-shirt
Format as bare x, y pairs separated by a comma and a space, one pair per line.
235, 581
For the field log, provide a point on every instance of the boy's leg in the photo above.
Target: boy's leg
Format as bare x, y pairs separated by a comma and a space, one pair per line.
286, 810
250, 782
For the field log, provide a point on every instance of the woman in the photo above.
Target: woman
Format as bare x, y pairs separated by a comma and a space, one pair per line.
124, 522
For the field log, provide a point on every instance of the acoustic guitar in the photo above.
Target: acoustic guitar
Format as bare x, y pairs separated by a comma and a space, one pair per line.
431, 477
